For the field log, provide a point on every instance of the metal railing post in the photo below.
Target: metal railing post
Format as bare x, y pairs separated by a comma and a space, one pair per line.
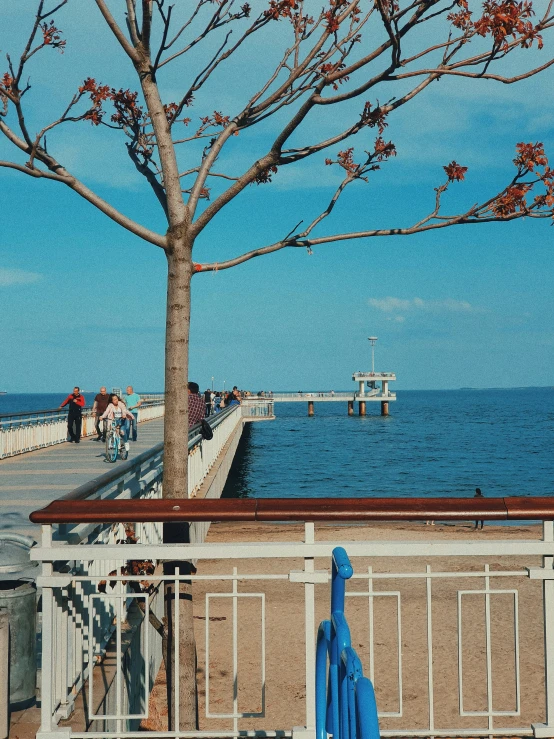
309, 603
48, 727
546, 574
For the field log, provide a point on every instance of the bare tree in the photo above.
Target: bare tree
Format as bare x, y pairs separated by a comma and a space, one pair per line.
347, 50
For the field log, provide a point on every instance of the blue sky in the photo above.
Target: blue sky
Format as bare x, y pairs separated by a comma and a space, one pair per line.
82, 301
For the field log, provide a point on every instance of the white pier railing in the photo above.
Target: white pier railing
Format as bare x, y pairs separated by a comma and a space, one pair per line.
203, 454
371, 395
455, 634
311, 395
257, 409
25, 432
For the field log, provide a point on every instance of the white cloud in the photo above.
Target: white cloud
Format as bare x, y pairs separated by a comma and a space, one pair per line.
10, 277
396, 306
390, 304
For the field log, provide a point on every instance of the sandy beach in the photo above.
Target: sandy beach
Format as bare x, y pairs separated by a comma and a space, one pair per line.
284, 631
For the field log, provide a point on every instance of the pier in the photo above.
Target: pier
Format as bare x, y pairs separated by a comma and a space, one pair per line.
373, 387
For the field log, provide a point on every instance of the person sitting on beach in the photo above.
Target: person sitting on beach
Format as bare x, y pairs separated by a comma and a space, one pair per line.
118, 410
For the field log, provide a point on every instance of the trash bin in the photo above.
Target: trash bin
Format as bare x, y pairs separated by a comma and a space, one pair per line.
18, 597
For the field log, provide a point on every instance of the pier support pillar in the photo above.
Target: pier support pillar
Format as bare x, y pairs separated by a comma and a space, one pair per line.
361, 407
350, 407
310, 407
384, 408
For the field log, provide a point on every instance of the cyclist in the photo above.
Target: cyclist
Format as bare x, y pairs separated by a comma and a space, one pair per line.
118, 410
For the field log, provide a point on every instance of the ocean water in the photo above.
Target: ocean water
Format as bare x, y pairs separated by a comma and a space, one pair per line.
22, 402
433, 443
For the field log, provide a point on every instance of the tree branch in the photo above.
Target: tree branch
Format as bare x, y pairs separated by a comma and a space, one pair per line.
475, 75
146, 24
132, 24
117, 32
151, 178
277, 246
85, 192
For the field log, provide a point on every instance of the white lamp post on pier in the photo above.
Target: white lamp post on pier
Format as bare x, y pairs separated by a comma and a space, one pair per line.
372, 340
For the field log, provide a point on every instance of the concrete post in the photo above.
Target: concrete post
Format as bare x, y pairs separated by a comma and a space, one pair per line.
4, 673
350, 407
384, 408
361, 407
361, 383
310, 407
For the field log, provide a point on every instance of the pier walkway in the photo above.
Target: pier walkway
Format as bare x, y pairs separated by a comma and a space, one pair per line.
30, 481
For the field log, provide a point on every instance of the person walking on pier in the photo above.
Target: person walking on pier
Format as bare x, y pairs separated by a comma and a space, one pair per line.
217, 402
101, 402
74, 417
133, 401
208, 401
197, 406
478, 494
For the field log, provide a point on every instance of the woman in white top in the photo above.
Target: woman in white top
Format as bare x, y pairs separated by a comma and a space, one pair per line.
118, 410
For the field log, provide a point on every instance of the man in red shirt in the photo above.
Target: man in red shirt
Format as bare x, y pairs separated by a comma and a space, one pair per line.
76, 404
197, 407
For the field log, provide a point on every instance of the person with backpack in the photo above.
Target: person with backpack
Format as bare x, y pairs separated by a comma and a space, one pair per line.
197, 406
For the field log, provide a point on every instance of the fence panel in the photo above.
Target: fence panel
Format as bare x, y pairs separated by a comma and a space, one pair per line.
451, 635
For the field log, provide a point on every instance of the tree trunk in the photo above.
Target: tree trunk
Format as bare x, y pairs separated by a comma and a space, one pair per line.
186, 695
175, 479
175, 485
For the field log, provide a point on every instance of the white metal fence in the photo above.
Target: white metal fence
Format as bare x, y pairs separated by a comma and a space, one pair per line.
203, 454
331, 396
25, 432
312, 395
454, 647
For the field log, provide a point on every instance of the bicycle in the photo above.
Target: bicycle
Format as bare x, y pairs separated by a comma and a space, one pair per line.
114, 443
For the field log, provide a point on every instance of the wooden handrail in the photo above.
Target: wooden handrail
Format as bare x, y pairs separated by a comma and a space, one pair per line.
297, 509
